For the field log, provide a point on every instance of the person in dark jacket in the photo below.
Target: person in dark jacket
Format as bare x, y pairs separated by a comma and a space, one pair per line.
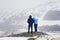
30, 24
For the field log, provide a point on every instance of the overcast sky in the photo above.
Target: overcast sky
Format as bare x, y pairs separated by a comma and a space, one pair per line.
19, 4
22, 4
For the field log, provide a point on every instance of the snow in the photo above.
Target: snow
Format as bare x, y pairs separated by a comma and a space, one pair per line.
50, 36
13, 38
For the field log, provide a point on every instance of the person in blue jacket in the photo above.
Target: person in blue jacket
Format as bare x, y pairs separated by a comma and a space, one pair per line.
35, 24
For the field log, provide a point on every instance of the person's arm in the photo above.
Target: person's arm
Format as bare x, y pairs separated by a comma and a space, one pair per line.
33, 20
28, 21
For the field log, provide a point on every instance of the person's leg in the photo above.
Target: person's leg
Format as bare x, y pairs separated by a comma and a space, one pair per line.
35, 27
31, 28
28, 28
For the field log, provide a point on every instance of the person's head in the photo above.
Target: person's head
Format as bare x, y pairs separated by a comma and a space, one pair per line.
30, 16
36, 17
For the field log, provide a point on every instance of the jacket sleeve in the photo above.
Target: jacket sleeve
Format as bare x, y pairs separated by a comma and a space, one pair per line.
28, 21
33, 20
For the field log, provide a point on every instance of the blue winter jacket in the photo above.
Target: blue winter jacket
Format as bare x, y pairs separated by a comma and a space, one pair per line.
35, 21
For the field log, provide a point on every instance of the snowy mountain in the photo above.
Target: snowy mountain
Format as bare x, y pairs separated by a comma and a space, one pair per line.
52, 15
51, 28
14, 20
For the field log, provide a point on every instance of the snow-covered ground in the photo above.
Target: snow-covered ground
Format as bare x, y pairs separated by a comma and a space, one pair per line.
13, 38
51, 35
54, 34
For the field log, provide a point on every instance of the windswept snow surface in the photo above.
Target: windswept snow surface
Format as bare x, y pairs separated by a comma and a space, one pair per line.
13, 38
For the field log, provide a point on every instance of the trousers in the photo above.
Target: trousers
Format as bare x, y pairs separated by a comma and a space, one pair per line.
30, 26
35, 27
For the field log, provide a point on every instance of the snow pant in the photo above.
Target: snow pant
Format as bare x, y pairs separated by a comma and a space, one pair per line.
35, 27
30, 26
